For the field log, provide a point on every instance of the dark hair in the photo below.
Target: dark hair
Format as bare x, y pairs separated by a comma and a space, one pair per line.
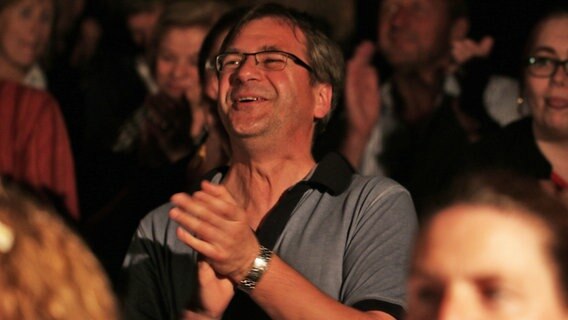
553, 12
225, 23
324, 55
133, 7
457, 9
522, 196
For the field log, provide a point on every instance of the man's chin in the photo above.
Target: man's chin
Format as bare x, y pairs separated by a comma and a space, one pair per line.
398, 58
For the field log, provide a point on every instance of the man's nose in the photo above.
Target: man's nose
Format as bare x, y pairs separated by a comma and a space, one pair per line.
400, 16
180, 69
248, 69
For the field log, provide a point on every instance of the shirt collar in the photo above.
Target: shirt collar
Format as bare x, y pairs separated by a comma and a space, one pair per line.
332, 174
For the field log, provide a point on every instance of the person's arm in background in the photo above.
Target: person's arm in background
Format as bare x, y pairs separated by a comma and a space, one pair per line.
362, 102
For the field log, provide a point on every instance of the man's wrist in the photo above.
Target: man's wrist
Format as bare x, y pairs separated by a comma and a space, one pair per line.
257, 269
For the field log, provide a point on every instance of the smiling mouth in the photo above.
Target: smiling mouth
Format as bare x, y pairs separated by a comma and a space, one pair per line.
557, 103
248, 99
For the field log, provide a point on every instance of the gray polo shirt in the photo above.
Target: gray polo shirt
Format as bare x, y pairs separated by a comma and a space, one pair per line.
349, 235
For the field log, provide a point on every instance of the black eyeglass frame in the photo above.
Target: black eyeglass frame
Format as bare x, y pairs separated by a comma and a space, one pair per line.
532, 61
244, 55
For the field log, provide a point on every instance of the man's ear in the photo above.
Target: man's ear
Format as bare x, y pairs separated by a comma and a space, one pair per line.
459, 29
324, 93
212, 88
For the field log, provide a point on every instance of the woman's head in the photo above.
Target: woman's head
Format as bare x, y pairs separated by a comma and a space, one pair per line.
545, 79
47, 272
25, 30
178, 38
499, 250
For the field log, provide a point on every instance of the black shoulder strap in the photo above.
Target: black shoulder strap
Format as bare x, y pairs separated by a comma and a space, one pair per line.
242, 306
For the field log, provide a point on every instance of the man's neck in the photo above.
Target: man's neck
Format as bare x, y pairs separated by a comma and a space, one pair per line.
257, 183
419, 90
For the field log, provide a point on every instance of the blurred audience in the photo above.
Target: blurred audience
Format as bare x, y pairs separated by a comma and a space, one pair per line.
498, 250
34, 146
538, 145
158, 148
416, 126
47, 272
24, 37
77, 34
172, 124
121, 76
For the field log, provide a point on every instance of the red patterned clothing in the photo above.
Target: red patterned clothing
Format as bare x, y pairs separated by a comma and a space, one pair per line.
34, 145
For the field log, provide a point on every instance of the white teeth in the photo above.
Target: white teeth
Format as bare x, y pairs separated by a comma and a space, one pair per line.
247, 99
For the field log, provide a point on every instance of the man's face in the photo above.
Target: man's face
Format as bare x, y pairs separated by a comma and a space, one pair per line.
548, 96
477, 262
413, 33
255, 102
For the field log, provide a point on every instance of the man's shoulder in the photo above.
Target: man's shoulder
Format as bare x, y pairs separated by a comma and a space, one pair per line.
380, 197
156, 222
375, 183
338, 176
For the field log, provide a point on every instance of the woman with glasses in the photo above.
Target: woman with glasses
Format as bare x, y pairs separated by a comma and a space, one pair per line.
538, 145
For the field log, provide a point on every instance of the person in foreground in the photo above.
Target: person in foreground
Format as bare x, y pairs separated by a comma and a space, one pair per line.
299, 240
47, 271
498, 251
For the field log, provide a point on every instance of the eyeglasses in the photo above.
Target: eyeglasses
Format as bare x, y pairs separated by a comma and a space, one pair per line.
543, 67
270, 60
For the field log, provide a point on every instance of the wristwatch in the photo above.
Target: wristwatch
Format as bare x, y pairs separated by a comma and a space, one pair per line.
258, 268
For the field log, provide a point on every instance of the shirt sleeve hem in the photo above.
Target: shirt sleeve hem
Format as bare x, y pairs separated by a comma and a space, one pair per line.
393, 309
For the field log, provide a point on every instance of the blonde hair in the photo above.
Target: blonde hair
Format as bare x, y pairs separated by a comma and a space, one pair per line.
46, 271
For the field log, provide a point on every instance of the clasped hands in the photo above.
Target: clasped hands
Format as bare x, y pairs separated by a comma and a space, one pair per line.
212, 223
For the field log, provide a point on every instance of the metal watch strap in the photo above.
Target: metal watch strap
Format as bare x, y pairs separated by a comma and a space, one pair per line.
258, 268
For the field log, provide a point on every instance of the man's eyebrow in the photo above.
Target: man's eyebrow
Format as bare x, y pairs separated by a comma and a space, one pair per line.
263, 48
268, 48
231, 50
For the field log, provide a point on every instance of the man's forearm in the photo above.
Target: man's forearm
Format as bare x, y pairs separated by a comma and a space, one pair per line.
284, 293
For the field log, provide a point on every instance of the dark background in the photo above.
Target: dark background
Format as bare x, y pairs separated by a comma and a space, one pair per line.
508, 21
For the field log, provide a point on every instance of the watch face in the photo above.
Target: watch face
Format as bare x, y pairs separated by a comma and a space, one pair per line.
258, 268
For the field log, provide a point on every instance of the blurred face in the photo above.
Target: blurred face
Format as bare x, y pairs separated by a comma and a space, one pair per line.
548, 96
282, 105
141, 26
176, 63
413, 32
479, 263
25, 28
